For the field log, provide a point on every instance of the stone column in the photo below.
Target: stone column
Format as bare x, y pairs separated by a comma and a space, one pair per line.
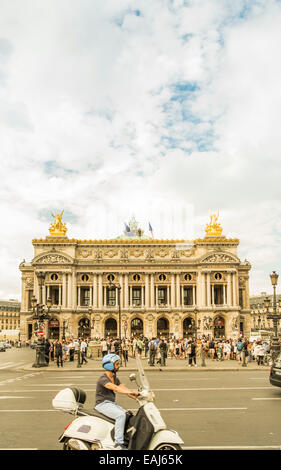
95, 291
142, 296
229, 303
69, 300
44, 295
156, 296
126, 291
152, 296
74, 290
79, 296
173, 291
234, 289
24, 304
131, 295
203, 289
199, 289
147, 291
194, 300
178, 289
64, 290
208, 289
100, 300
224, 292
121, 291
182, 296
104, 296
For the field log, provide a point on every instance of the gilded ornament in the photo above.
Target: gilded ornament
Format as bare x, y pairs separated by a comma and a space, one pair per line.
58, 229
213, 229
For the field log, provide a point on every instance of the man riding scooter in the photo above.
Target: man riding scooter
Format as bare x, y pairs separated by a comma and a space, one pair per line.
107, 385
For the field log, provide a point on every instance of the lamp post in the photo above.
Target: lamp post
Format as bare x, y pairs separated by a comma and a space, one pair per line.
275, 345
118, 287
40, 314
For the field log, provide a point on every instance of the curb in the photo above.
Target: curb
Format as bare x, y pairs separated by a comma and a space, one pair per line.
146, 369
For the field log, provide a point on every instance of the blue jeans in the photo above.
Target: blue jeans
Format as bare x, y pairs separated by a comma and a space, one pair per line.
111, 410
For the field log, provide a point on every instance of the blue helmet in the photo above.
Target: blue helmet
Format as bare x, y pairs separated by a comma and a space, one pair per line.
109, 360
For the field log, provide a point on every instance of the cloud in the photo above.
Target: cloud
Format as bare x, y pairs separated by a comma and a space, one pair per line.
163, 109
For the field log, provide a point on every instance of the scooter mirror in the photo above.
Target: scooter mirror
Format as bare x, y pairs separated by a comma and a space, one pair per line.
132, 377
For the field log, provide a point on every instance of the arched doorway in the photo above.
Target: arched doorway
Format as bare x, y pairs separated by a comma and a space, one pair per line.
163, 327
219, 327
54, 328
136, 327
84, 330
188, 327
110, 328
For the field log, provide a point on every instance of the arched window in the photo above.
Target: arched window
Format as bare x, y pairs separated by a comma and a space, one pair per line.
163, 327
110, 328
136, 327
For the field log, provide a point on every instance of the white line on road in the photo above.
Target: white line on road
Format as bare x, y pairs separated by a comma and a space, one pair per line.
201, 409
134, 409
263, 399
277, 447
9, 397
208, 389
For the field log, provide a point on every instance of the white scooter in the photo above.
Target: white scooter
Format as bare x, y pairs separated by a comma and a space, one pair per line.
91, 430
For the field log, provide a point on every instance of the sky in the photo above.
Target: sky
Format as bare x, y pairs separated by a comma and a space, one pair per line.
163, 109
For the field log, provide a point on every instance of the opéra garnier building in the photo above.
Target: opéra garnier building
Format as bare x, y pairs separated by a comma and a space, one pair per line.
175, 288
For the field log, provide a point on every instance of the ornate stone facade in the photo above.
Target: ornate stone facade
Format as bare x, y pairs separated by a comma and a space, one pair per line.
168, 287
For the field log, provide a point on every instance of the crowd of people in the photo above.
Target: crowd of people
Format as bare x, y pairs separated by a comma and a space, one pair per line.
156, 350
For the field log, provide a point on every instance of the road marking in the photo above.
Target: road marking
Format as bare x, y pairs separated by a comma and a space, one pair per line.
8, 397
26, 411
6, 365
134, 409
277, 447
263, 399
208, 389
201, 409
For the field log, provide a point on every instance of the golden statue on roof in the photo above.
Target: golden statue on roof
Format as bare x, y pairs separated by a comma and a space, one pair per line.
213, 228
58, 229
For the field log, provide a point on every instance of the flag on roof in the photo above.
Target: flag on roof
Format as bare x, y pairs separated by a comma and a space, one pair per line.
150, 229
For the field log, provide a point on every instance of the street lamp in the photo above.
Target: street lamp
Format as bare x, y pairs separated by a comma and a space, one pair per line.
275, 345
41, 314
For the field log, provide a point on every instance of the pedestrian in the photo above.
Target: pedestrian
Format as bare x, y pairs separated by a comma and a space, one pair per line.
163, 352
152, 352
83, 348
192, 354
47, 350
59, 352
104, 347
139, 346
71, 351
239, 350
212, 349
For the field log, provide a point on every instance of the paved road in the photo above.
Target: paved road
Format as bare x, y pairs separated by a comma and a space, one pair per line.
225, 410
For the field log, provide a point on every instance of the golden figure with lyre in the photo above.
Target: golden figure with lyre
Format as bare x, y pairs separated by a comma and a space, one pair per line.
213, 229
58, 229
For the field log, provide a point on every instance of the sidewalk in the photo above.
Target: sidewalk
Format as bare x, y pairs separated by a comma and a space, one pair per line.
173, 365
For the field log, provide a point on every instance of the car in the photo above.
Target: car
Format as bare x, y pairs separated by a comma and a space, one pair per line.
7, 345
275, 372
2, 346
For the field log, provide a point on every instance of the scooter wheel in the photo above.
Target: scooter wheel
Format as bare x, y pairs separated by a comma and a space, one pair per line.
168, 447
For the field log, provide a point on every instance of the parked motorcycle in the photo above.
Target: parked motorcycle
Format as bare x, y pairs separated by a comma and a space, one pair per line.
91, 430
